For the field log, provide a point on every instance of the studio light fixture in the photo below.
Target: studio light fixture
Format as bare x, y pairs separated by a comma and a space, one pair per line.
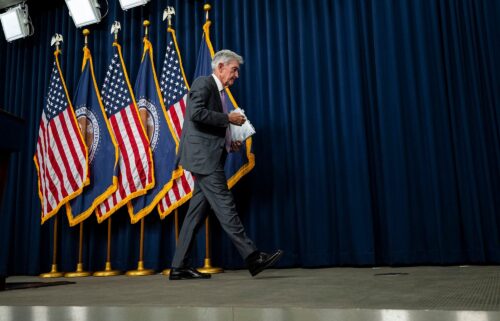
84, 12
127, 4
16, 22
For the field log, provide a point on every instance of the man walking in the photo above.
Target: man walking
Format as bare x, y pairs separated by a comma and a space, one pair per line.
204, 146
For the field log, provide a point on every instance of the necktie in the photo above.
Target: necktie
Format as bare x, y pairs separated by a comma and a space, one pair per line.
225, 110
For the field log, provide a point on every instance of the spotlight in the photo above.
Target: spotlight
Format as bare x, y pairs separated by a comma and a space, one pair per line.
127, 4
84, 12
16, 22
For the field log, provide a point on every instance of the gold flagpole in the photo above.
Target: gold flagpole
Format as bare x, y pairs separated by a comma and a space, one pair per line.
167, 14
79, 267
107, 270
56, 39
207, 267
115, 28
207, 8
53, 272
141, 271
176, 218
176, 222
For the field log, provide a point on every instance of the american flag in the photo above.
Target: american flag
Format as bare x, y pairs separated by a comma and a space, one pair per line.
135, 164
174, 89
161, 134
101, 145
61, 155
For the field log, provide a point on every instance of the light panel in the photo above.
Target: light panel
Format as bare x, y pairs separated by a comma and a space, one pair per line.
127, 4
84, 12
15, 23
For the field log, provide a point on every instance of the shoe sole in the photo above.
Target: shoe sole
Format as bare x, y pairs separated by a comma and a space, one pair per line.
173, 278
274, 259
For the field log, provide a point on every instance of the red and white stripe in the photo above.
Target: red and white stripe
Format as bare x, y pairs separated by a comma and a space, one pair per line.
176, 114
135, 164
177, 195
61, 160
182, 186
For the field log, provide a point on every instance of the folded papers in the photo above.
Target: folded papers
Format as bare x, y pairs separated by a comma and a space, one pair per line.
241, 133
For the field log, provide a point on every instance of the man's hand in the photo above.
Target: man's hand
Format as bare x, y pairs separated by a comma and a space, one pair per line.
235, 146
236, 118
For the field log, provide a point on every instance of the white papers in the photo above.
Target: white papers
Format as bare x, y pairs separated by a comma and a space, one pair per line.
241, 133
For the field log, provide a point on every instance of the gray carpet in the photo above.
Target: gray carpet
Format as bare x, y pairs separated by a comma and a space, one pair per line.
280, 294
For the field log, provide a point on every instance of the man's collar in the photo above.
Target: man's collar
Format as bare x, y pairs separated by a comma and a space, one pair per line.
220, 87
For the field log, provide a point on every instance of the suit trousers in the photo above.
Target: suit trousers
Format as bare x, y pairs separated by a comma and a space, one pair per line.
211, 191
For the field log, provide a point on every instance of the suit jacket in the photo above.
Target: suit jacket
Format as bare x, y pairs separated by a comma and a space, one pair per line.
203, 134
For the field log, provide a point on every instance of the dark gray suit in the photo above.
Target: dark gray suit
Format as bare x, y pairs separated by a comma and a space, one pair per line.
202, 152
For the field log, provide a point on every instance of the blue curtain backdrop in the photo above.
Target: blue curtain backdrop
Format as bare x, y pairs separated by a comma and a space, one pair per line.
378, 138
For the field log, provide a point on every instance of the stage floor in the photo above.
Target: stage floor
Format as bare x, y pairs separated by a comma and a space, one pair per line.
469, 293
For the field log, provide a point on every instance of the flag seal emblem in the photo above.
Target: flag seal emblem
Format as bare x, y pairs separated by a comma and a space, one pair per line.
152, 126
92, 132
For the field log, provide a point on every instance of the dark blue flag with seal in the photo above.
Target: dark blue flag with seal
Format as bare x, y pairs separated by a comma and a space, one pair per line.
237, 163
101, 145
161, 134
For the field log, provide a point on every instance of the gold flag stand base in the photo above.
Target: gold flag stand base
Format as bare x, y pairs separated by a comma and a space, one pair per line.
79, 273
208, 268
53, 273
141, 271
107, 271
166, 272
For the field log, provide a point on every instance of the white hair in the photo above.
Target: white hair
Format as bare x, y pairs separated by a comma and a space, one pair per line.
225, 56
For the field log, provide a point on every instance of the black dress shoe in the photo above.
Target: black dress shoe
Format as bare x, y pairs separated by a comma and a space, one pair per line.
187, 274
259, 261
